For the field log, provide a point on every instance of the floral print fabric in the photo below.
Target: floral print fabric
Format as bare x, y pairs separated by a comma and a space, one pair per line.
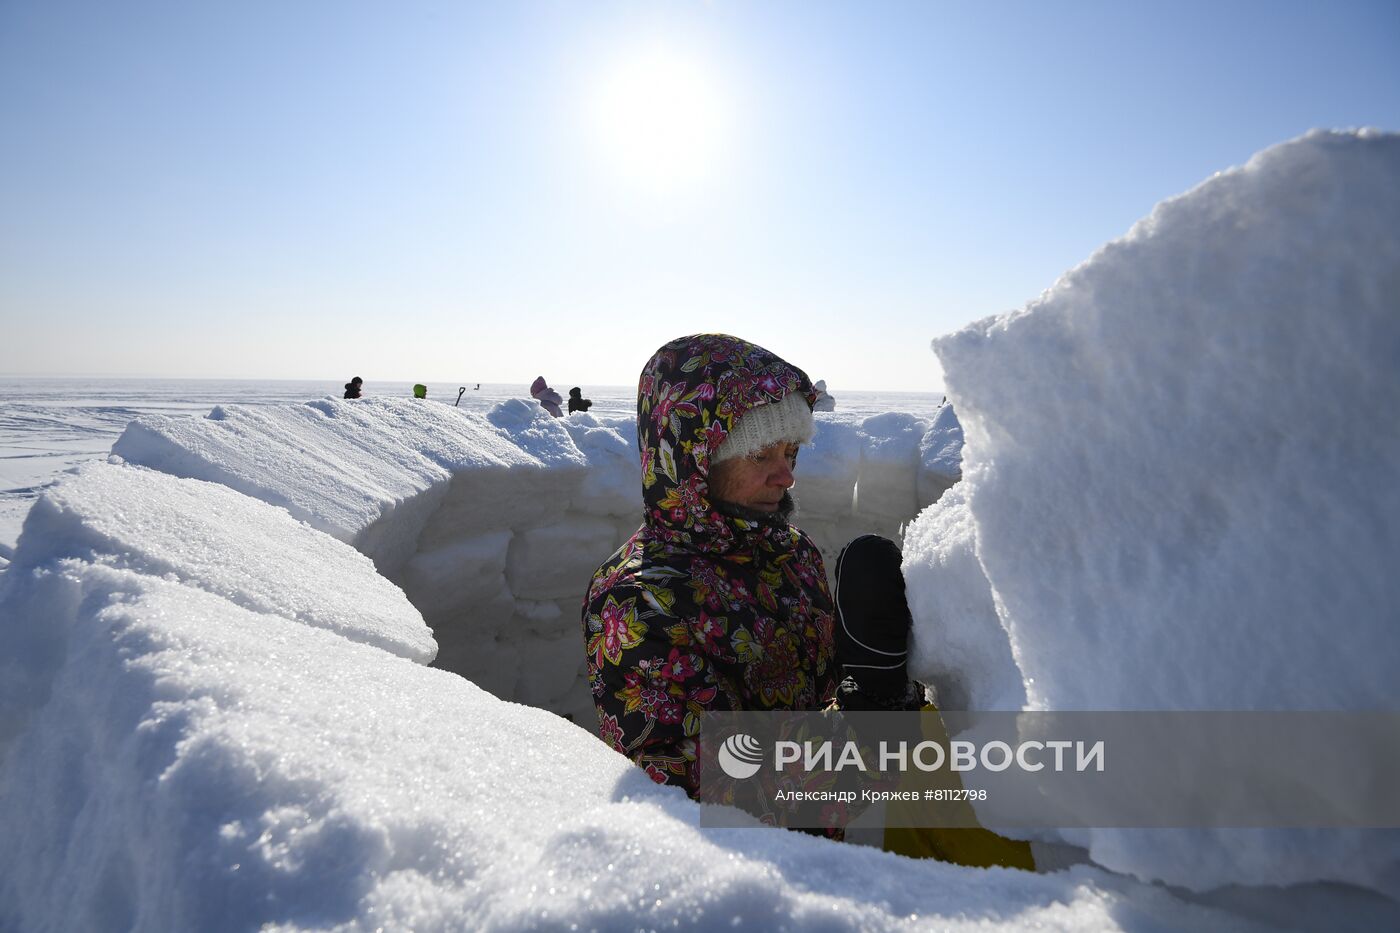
703, 609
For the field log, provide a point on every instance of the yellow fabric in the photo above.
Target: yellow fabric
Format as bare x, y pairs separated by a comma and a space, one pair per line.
973, 845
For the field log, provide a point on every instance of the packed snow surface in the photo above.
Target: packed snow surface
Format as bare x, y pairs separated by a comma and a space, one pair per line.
216, 709
1180, 484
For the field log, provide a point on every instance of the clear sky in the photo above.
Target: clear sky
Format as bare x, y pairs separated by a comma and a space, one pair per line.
486, 192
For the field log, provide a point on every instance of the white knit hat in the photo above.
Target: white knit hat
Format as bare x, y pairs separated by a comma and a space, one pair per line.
789, 419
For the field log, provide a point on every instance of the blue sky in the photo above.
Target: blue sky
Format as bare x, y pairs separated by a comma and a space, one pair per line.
468, 192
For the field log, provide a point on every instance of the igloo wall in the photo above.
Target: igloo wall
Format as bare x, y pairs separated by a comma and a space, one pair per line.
493, 525
1181, 485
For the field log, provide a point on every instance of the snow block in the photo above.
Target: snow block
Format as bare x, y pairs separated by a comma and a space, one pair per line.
214, 539
558, 560
889, 466
467, 639
1185, 498
546, 617
940, 456
611, 486
827, 468
551, 669
490, 500
447, 582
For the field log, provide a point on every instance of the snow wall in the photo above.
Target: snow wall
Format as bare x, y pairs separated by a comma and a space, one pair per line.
1182, 485
493, 526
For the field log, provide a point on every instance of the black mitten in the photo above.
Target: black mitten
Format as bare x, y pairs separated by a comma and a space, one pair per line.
872, 616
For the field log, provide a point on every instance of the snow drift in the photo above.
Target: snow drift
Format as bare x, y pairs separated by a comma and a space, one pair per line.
1180, 487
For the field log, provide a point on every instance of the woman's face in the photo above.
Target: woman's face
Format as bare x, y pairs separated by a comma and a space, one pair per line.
757, 481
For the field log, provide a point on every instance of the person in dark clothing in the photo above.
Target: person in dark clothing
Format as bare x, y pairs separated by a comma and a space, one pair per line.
577, 402
352, 388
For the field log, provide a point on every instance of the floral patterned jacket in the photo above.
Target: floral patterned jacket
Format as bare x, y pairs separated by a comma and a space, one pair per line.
700, 609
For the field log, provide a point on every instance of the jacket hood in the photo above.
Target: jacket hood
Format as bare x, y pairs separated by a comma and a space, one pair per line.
691, 394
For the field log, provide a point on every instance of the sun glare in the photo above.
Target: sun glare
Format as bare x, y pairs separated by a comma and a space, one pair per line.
658, 120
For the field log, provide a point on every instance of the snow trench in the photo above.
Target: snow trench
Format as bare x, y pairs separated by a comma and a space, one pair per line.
492, 526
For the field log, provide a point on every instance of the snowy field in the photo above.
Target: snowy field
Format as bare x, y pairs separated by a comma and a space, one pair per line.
309, 664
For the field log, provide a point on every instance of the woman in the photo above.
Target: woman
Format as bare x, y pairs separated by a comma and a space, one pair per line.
717, 602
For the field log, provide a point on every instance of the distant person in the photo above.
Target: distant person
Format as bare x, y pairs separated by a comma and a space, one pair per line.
352, 388
824, 401
420, 391
549, 399
577, 402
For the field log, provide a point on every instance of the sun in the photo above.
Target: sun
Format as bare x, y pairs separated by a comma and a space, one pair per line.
659, 120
